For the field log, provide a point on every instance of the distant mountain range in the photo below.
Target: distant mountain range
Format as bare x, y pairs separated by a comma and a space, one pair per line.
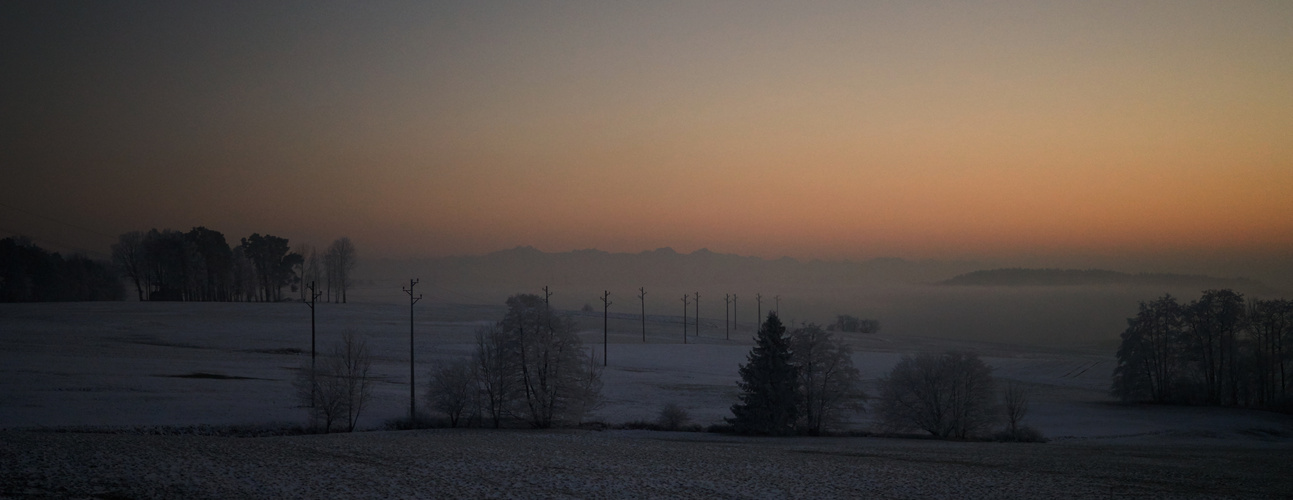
1086, 277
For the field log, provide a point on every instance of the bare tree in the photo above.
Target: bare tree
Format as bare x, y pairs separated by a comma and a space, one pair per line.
341, 386
552, 363
454, 390
354, 363
1015, 402
532, 366
308, 268
587, 389
1269, 325
828, 382
947, 395
496, 371
341, 259
128, 255
244, 275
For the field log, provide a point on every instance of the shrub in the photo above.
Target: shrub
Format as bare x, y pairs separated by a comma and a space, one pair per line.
1021, 434
672, 417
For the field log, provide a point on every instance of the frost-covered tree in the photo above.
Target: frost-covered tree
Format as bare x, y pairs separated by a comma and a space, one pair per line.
496, 370
453, 390
828, 382
554, 371
769, 384
338, 389
531, 366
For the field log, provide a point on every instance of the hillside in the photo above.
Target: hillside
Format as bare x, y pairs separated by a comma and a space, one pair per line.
1087, 277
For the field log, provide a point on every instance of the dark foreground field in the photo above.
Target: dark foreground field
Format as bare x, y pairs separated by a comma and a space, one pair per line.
618, 464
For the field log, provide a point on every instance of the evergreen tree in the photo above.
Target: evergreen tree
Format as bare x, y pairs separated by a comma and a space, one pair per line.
769, 384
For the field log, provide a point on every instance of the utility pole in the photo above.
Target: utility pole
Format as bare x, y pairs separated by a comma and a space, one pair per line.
412, 388
314, 296
735, 319
642, 296
606, 307
697, 314
758, 298
727, 324
685, 303
547, 308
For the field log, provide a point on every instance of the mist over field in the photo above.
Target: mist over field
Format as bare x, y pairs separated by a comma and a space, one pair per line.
907, 297
163, 386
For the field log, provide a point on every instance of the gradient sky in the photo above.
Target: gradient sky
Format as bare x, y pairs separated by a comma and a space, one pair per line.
1035, 131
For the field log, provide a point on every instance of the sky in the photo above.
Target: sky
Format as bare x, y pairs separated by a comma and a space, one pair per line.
1050, 133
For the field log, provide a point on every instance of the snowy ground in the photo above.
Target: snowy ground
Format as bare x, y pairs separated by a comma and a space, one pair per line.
130, 363
618, 464
142, 364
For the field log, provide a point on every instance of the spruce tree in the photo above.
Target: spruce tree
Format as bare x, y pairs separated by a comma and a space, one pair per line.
769, 388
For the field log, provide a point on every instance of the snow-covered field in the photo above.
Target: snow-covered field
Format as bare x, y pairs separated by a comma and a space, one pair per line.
130, 363
149, 364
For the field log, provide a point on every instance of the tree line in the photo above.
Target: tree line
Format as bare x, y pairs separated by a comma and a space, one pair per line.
804, 382
1220, 349
29, 273
201, 265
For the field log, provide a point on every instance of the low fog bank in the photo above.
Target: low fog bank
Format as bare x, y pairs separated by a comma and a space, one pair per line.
907, 297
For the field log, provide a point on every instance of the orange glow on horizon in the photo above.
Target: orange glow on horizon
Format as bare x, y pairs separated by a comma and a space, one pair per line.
833, 130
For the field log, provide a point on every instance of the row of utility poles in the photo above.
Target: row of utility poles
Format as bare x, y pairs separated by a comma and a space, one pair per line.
729, 301
689, 303
413, 299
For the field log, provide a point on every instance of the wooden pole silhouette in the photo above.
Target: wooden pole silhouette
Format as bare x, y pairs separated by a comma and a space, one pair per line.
412, 386
697, 314
642, 296
727, 324
547, 307
314, 296
736, 320
606, 307
685, 302
758, 298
